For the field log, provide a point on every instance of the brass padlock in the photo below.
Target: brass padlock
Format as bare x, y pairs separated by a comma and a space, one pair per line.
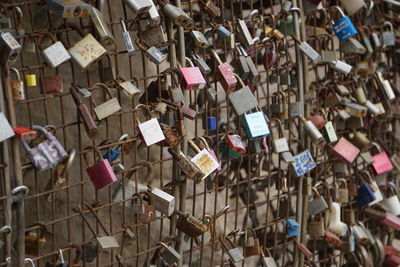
169, 254
343, 191
316, 227
190, 225
252, 244
33, 241
318, 204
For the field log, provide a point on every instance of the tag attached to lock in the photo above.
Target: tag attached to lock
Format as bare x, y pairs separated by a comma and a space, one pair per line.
303, 163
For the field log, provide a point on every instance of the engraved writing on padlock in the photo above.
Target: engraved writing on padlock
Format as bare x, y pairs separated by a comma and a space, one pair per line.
86, 51
343, 27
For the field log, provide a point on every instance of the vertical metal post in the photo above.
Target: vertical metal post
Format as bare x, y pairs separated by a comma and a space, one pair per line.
20, 207
6, 162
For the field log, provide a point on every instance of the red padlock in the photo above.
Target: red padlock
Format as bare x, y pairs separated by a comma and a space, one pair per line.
192, 77
345, 150
381, 162
101, 173
235, 142
225, 74
24, 134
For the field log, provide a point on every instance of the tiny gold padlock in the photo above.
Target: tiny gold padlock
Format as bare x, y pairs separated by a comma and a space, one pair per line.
30, 79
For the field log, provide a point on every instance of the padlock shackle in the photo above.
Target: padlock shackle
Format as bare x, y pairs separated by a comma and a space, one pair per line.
240, 80
145, 109
338, 9
45, 36
204, 141
95, 150
20, 188
341, 181
123, 25
141, 163
78, 251
16, 73
216, 56
68, 162
194, 146
30, 261
41, 225
104, 87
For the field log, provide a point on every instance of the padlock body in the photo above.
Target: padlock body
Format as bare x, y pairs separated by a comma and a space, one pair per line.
101, 174
56, 54
18, 90
226, 77
192, 78
86, 51
9, 49
69, 8
344, 29
255, 125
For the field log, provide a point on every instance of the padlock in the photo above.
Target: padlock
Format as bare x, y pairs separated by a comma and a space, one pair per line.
252, 244
107, 108
150, 129
47, 154
359, 94
268, 261
365, 195
23, 133
388, 36
329, 132
190, 225
126, 37
349, 241
154, 35
303, 163
270, 57
199, 39
178, 16
318, 119
333, 239
242, 100
138, 7
106, 242
356, 110
343, 27
114, 152
201, 63
235, 142
316, 227
384, 85
69, 9
144, 213
86, 52
17, 86
225, 74
211, 8
204, 160
253, 76
340, 66
308, 50
188, 167
318, 204
6, 131
153, 53
103, 31
345, 150
235, 255
353, 7
241, 64
292, 228
374, 187
280, 144
154, 16
9, 48
255, 125
53, 84
90, 125
278, 105
169, 254
5, 22
163, 202
128, 87
385, 218
391, 201
192, 77
352, 45
381, 162
313, 132
100, 173
55, 54
336, 226
34, 242
343, 191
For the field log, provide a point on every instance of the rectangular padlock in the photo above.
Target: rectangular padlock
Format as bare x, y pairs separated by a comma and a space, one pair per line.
103, 31
244, 35
56, 54
9, 48
345, 150
6, 130
163, 202
69, 8
87, 51
138, 6
340, 66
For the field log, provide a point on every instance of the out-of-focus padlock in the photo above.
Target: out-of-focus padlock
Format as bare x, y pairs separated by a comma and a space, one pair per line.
9, 48
280, 144
69, 9
103, 31
343, 27
126, 37
138, 7
199, 39
244, 35
242, 100
382, 163
201, 63
313, 132
292, 228
389, 38
178, 16
308, 50
340, 66
234, 253
211, 8
235, 142
17, 86
204, 160
352, 7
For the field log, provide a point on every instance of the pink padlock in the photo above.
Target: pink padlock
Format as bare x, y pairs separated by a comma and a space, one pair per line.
345, 150
192, 77
381, 162
225, 74
101, 172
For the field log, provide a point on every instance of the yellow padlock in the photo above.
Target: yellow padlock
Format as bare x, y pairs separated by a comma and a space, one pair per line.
30, 79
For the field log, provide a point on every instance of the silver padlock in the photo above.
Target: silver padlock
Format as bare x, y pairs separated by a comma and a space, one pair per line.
340, 66
126, 37
138, 6
178, 16
244, 34
163, 202
233, 252
352, 45
201, 63
9, 48
169, 254
199, 39
308, 50
87, 51
153, 53
389, 38
154, 15
55, 54
69, 8
103, 31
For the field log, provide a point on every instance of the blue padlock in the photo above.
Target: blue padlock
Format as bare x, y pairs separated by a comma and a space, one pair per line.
114, 152
255, 125
365, 195
223, 32
210, 123
344, 28
292, 227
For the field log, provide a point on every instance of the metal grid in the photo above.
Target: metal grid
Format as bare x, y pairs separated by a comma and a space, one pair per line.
61, 216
